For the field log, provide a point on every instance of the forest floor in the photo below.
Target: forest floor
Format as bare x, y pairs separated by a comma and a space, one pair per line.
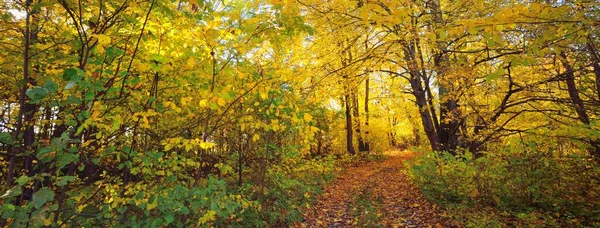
375, 194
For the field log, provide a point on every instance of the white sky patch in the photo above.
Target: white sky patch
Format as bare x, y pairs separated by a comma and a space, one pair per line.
334, 105
18, 14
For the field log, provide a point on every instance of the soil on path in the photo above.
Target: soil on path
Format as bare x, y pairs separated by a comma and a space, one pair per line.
375, 194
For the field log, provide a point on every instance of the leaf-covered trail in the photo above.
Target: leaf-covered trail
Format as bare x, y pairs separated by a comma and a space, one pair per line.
374, 194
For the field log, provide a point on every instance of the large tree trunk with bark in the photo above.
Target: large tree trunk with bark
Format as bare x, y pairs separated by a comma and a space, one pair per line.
420, 91
426, 119
449, 123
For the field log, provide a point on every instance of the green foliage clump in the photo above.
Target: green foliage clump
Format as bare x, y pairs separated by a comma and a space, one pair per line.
291, 186
519, 184
140, 205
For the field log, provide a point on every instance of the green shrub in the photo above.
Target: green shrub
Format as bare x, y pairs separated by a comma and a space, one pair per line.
527, 184
292, 186
289, 187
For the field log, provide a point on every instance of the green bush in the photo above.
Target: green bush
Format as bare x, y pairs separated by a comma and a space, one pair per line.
292, 186
527, 185
174, 206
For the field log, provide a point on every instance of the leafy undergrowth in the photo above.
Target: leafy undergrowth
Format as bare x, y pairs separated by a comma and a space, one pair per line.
519, 186
374, 194
291, 187
286, 189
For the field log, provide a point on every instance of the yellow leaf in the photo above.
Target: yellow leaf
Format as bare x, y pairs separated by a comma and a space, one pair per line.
204, 103
252, 21
80, 208
307, 117
208, 217
185, 100
255, 138
143, 67
241, 75
190, 62
264, 95
145, 123
48, 221
313, 129
103, 41
206, 145
221, 102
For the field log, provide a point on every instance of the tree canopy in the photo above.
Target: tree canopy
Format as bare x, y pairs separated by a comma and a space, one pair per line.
225, 112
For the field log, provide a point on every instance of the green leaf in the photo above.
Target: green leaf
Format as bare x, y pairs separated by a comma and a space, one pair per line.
51, 86
89, 95
113, 52
15, 191
185, 210
22, 180
64, 180
158, 58
6, 138
43, 152
66, 158
41, 197
36, 94
6, 17
69, 74
494, 75
72, 74
157, 222
169, 219
490, 41
214, 106
230, 208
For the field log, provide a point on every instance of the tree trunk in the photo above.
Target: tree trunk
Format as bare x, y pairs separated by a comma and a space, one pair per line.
597, 73
366, 142
596, 65
416, 83
349, 144
426, 119
416, 133
356, 116
582, 115
573, 92
391, 134
449, 125
26, 111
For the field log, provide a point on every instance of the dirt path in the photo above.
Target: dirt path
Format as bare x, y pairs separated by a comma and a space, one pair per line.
374, 194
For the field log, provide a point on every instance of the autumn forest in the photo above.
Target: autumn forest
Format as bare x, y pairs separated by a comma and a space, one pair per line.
299, 113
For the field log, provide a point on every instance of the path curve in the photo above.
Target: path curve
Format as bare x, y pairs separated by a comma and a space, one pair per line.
375, 194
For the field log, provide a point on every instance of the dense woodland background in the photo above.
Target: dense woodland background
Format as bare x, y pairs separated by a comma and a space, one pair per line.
217, 113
